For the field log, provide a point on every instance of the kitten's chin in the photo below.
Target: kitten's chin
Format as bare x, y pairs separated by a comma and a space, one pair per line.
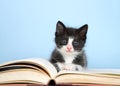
67, 51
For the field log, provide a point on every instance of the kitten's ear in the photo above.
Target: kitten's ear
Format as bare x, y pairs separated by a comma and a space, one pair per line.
83, 31
59, 27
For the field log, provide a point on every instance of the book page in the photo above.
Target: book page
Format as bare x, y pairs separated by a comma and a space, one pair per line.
103, 72
23, 76
93, 71
45, 64
89, 76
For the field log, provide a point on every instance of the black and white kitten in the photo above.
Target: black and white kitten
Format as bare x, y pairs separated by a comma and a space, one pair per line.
69, 53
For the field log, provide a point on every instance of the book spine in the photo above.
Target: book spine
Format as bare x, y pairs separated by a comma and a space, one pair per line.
52, 83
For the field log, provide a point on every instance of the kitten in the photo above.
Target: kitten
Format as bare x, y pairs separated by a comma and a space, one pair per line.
69, 53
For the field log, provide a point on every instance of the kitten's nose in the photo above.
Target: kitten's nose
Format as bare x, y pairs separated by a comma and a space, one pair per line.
69, 48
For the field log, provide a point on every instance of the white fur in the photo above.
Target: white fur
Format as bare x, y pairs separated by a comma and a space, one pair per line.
72, 67
68, 56
60, 65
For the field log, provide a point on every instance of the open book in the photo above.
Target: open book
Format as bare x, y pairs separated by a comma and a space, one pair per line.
40, 71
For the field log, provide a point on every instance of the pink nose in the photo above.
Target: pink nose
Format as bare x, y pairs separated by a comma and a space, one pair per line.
69, 48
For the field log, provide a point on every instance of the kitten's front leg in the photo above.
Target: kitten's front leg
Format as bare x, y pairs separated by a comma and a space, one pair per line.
72, 67
59, 66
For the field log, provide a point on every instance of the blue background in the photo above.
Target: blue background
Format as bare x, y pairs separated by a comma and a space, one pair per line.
27, 28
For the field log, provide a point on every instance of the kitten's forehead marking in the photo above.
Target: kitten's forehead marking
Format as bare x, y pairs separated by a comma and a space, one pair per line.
70, 40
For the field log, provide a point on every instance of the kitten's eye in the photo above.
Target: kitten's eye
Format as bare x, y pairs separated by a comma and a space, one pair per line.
63, 42
75, 43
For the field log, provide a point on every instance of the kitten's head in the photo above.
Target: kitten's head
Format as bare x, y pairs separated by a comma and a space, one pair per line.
70, 39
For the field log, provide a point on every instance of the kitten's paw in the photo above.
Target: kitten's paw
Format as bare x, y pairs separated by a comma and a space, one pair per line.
68, 67
79, 67
72, 67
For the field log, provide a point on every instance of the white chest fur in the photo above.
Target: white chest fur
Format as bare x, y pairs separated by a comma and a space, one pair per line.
68, 65
69, 57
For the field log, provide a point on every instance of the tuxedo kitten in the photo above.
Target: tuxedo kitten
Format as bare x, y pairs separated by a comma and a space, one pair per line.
69, 53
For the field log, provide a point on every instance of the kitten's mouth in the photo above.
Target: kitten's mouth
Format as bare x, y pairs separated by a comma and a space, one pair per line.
68, 51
